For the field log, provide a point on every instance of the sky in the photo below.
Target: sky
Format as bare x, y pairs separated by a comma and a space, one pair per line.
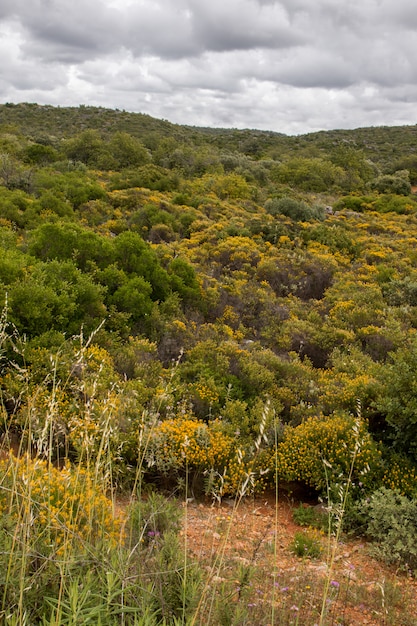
291, 66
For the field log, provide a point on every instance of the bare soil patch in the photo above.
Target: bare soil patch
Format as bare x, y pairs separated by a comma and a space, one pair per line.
226, 538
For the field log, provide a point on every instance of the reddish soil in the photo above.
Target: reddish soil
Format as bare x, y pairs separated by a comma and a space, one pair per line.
362, 590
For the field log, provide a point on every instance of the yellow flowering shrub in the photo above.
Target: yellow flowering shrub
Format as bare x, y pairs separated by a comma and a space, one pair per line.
177, 443
97, 370
323, 449
246, 473
206, 392
401, 475
60, 508
341, 389
185, 443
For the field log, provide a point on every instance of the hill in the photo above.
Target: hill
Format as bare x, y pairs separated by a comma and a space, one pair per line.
209, 311
382, 144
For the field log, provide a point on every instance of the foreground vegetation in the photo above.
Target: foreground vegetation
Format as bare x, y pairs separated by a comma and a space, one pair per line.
204, 312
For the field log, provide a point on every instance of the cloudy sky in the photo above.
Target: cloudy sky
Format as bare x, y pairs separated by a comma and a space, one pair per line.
292, 66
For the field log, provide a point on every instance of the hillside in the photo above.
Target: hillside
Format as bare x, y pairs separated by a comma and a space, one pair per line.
211, 311
381, 144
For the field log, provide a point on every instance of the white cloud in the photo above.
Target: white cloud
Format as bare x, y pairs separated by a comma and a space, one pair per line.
290, 65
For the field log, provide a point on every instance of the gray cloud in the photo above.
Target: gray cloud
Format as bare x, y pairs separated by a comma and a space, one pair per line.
289, 65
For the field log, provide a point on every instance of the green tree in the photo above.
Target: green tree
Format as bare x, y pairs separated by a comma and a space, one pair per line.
86, 147
314, 174
128, 151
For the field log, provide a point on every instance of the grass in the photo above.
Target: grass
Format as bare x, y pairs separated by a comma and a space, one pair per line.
74, 550
149, 577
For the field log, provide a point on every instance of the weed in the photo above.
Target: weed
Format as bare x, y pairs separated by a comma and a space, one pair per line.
306, 544
311, 516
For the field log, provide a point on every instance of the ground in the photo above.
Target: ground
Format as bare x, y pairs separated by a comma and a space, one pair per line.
236, 545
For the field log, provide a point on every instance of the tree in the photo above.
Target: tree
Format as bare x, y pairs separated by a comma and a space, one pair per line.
127, 151
86, 147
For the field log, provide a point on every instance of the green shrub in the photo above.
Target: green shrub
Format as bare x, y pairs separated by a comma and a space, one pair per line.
354, 203
387, 203
391, 521
295, 209
392, 183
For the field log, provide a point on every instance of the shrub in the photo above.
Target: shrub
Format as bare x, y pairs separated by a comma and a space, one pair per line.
354, 203
320, 451
177, 443
400, 475
402, 205
392, 183
153, 517
59, 508
295, 209
391, 521
184, 444
245, 474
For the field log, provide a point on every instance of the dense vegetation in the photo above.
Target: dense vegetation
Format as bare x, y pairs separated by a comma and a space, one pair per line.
225, 306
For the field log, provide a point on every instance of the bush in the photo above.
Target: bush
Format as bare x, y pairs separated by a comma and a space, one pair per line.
153, 517
295, 209
177, 443
320, 451
392, 183
176, 446
391, 521
61, 509
354, 203
400, 475
386, 203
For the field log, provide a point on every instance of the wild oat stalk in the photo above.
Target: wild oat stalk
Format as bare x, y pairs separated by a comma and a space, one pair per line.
274, 573
246, 486
339, 511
